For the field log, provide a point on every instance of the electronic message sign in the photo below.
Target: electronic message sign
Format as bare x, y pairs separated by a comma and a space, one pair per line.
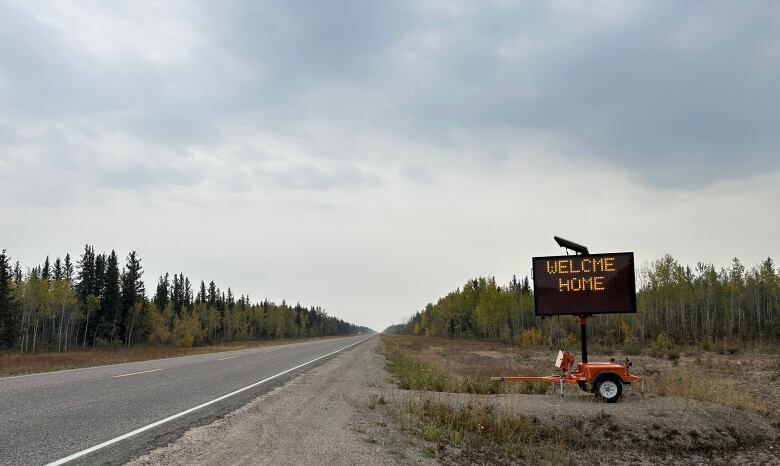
583, 285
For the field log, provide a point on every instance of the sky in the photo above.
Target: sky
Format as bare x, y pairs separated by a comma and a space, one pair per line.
370, 157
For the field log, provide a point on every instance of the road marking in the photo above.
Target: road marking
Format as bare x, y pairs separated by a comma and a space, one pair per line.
136, 373
193, 409
231, 357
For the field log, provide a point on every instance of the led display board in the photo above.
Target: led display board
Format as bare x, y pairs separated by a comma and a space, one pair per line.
583, 285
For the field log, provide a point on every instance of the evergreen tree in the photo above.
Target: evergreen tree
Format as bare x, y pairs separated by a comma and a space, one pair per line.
67, 268
161, 293
133, 293
86, 275
58, 272
18, 276
8, 328
110, 302
46, 271
201, 294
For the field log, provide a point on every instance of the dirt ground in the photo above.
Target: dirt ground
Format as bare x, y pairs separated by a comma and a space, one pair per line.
330, 414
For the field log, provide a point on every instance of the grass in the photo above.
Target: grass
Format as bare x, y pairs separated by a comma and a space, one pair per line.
440, 367
471, 430
736, 381
476, 431
15, 363
735, 378
483, 436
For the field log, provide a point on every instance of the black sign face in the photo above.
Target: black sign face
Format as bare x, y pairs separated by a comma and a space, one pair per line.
578, 285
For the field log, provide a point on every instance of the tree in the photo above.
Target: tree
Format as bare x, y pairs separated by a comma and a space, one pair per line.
108, 319
46, 271
8, 325
58, 272
67, 269
133, 292
161, 293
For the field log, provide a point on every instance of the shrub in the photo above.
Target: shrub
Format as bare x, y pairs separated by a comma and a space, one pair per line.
532, 336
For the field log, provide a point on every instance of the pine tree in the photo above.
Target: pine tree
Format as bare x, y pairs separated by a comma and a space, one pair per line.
201, 294
46, 271
8, 328
86, 275
187, 293
109, 306
161, 293
133, 293
67, 268
18, 276
58, 273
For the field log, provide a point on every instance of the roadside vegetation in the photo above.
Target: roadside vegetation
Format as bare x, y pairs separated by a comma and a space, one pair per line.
701, 306
449, 401
95, 310
476, 433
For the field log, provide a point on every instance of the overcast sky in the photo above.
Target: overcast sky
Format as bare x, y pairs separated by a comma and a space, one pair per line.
370, 157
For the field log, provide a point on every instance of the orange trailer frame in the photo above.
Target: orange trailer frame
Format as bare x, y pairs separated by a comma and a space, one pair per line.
605, 379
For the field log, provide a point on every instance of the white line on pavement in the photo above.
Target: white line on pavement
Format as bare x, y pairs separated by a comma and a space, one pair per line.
136, 373
193, 409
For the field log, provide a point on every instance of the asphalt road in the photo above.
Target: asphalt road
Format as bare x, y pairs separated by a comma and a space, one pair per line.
47, 417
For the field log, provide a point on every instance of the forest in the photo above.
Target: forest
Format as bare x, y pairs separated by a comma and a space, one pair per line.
676, 304
60, 306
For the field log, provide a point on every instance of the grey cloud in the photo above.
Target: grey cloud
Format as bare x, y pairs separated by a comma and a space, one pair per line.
622, 92
305, 176
417, 174
676, 94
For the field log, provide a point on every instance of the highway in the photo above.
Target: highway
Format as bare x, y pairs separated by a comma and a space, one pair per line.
65, 415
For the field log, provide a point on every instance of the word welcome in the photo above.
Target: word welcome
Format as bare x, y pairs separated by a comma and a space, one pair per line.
587, 265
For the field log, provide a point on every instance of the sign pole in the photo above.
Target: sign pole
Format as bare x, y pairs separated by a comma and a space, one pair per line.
584, 337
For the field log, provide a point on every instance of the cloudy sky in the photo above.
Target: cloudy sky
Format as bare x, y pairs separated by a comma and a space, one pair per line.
371, 156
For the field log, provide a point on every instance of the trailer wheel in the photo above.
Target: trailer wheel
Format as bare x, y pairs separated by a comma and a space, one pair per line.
609, 389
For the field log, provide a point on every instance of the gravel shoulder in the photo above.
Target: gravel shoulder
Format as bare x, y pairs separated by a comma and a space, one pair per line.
326, 415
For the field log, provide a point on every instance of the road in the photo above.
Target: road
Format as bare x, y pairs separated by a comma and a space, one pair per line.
51, 416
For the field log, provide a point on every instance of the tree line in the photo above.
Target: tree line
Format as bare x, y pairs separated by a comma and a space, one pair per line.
59, 306
699, 305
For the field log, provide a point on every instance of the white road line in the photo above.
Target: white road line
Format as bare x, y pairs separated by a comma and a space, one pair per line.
193, 409
136, 373
231, 357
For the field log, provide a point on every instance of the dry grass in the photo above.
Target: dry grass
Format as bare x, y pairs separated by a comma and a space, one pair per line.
481, 430
14, 363
477, 434
740, 381
746, 381
457, 366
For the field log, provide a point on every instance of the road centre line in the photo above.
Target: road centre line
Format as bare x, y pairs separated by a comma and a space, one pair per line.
231, 357
136, 373
193, 409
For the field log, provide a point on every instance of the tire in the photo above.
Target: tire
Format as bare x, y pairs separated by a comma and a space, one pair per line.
609, 389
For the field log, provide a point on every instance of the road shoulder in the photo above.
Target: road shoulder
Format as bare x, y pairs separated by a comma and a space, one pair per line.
326, 415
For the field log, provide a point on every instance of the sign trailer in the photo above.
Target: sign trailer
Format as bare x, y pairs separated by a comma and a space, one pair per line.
583, 285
